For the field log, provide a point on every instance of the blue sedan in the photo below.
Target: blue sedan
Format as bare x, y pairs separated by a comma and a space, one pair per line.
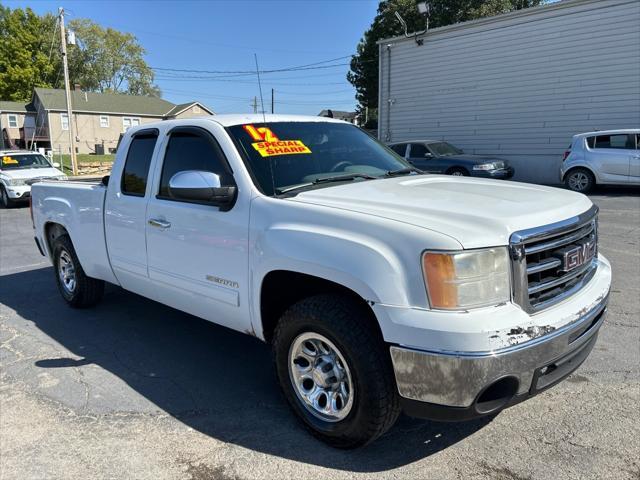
434, 156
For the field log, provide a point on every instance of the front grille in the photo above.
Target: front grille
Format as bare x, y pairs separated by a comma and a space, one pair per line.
553, 262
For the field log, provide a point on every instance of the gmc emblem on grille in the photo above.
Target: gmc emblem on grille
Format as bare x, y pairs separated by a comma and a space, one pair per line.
577, 256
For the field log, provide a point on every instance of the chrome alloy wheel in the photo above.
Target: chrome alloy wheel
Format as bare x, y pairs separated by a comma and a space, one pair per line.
457, 173
66, 272
578, 181
320, 377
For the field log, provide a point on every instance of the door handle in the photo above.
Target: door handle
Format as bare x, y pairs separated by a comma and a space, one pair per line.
159, 223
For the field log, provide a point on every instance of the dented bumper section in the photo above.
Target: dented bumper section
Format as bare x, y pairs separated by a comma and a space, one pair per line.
464, 385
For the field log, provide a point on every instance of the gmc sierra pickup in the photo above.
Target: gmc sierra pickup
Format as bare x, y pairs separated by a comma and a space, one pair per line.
379, 288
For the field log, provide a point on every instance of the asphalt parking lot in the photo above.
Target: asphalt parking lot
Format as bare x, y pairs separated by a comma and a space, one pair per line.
134, 389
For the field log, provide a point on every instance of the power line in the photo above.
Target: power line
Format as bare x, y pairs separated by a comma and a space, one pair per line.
308, 66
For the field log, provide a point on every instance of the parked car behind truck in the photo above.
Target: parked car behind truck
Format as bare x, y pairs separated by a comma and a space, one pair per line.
436, 156
378, 288
19, 169
609, 157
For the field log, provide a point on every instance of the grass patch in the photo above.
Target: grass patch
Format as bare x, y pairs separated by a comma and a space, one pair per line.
82, 158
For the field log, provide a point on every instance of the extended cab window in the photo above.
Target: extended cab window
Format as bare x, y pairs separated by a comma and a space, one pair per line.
136, 167
192, 150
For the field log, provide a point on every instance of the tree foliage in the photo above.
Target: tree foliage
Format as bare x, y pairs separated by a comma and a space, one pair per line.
106, 60
103, 59
25, 43
364, 64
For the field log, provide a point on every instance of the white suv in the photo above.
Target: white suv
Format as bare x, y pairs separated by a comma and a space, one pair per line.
609, 157
19, 169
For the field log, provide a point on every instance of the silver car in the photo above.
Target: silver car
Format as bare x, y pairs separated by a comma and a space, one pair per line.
610, 157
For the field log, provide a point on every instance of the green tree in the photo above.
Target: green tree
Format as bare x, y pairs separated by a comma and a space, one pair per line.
103, 60
27, 58
106, 60
364, 64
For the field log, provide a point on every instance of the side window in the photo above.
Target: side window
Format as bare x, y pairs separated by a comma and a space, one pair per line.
613, 141
192, 151
591, 141
637, 141
136, 167
418, 150
399, 148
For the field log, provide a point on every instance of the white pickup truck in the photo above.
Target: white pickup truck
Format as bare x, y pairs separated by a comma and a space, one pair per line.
379, 288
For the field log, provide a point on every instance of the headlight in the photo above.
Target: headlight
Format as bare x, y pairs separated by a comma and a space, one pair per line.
486, 166
467, 279
15, 182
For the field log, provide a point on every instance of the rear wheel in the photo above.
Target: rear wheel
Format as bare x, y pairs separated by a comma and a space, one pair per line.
78, 290
580, 180
458, 172
335, 370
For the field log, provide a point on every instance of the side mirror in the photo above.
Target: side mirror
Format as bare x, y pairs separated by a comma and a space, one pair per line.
56, 164
200, 186
428, 155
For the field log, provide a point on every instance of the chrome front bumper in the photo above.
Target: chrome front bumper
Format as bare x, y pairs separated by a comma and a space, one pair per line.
457, 379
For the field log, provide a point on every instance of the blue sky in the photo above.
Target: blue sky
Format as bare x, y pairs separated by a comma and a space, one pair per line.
224, 35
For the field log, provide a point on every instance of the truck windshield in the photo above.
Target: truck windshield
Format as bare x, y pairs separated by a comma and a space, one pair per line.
293, 156
14, 162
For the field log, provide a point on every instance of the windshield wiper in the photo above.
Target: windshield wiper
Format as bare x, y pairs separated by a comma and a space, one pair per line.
402, 171
335, 178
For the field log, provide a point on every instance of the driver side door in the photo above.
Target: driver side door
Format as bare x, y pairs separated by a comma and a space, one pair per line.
197, 253
420, 156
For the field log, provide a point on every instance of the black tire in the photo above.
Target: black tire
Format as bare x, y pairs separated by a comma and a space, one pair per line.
5, 201
86, 291
579, 180
347, 325
458, 171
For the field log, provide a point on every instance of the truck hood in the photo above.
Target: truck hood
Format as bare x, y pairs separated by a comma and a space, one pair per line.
27, 173
476, 212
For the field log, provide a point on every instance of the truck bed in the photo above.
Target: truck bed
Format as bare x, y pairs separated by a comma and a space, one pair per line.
78, 206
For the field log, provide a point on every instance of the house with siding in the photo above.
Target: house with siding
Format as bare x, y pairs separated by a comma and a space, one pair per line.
518, 85
98, 119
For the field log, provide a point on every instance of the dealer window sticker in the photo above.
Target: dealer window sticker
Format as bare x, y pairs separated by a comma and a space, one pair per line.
267, 143
9, 161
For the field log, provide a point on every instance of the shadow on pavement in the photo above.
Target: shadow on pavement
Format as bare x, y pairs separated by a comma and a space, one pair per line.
212, 379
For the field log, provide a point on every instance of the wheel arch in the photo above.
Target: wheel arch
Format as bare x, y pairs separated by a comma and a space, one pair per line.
52, 231
282, 288
581, 166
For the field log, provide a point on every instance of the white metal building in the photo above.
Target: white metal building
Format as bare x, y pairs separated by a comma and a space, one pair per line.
518, 85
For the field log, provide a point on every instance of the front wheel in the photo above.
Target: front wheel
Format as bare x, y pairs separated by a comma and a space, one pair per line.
5, 201
335, 370
458, 172
78, 290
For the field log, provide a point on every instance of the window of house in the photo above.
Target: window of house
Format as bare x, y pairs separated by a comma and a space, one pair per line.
192, 151
64, 121
104, 121
13, 120
136, 167
128, 122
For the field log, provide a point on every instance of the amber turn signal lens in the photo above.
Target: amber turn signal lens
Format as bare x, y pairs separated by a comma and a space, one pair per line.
440, 274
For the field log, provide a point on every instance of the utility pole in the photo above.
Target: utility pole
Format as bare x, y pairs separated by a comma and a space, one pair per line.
255, 104
72, 144
272, 102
